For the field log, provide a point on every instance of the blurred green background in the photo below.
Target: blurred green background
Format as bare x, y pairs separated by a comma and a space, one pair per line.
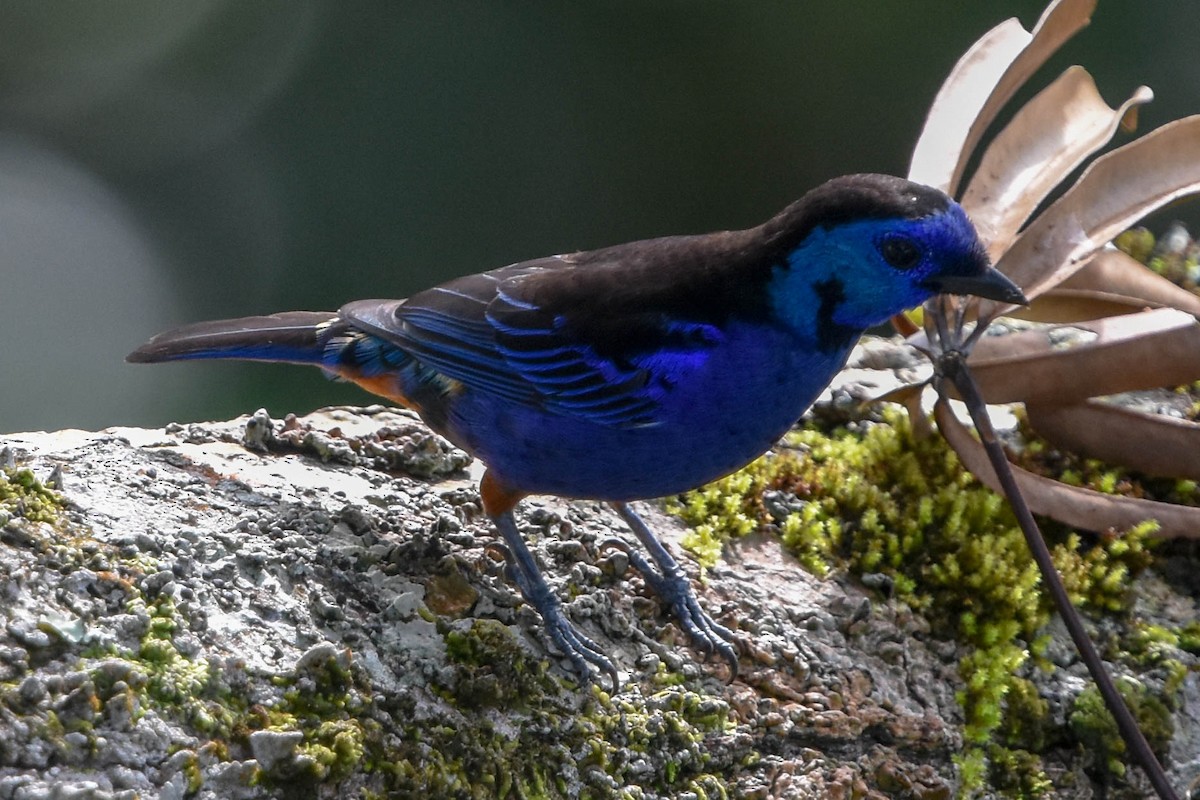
164, 162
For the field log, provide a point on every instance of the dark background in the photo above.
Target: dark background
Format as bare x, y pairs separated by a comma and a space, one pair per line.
162, 163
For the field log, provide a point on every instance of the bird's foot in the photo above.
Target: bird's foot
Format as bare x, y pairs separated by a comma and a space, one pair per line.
521, 569
674, 589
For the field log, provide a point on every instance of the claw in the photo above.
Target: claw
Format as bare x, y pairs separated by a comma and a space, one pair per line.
509, 568
522, 570
499, 549
616, 543
670, 583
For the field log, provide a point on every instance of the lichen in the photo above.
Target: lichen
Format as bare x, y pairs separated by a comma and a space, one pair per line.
493, 721
1189, 637
871, 497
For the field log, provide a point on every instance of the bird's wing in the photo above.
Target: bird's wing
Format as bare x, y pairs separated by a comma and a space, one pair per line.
532, 334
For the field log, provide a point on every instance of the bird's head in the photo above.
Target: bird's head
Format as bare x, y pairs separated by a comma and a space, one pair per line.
865, 247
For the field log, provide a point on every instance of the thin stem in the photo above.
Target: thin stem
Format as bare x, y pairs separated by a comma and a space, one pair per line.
957, 370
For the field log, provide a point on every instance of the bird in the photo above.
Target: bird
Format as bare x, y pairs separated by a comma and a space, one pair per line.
634, 371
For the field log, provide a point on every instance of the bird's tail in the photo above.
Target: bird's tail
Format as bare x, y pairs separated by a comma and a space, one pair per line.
297, 337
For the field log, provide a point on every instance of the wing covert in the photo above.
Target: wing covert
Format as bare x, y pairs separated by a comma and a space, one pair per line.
489, 332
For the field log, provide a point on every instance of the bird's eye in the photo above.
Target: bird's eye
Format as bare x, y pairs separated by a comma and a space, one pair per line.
900, 251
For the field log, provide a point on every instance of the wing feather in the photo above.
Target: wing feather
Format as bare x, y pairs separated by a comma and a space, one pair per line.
493, 332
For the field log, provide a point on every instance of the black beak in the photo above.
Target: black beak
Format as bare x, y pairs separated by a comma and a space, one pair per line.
992, 284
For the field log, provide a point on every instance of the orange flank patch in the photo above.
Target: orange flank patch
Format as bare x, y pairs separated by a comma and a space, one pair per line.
497, 498
382, 385
387, 386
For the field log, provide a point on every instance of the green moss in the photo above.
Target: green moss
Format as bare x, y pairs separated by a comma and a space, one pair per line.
725, 509
328, 701
494, 722
1097, 573
1174, 255
1189, 637
494, 671
321, 703
1097, 731
547, 746
873, 498
460, 752
191, 770
1017, 772
23, 495
176, 685
1026, 725
1042, 458
734, 506
1136, 242
334, 749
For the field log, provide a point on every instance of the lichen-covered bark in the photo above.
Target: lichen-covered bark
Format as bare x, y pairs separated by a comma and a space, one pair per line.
251, 610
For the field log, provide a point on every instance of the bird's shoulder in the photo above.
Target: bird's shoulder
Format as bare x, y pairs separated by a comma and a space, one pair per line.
631, 295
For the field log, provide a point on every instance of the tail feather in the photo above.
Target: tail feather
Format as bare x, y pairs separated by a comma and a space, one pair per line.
294, 336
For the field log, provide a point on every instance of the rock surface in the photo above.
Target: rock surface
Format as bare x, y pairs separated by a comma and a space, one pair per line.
249, 609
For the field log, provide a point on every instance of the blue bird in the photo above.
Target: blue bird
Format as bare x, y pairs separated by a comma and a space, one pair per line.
635, 371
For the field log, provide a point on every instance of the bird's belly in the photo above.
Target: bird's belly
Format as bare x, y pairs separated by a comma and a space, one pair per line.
709, 426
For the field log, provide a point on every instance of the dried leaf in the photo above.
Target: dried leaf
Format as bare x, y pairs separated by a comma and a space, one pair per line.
909, 396
1149, 443
1113, 272
1114, 192
980, 84
943, 145
904, 325
1063, 306
1064, 365
901, 395
1050, 136
1071, 505
1110, 283
1129, 122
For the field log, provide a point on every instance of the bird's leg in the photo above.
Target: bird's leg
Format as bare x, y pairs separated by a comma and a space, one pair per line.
525, 573
671, 584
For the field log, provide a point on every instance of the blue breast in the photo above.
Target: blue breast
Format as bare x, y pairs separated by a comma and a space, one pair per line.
748, 392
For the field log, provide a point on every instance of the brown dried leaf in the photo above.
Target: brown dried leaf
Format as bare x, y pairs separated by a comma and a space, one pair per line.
1113, 272
904, 325
1114, 192
1110, 283
1149, 443
1050, 136
1063, 306
981, 82
1064, 365
943, 145
909, 396
1071, 505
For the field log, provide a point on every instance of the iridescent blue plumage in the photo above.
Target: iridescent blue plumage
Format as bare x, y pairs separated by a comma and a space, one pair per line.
639, 370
